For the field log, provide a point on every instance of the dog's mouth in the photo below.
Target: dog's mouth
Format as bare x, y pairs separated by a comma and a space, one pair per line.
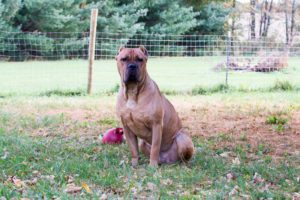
131, 76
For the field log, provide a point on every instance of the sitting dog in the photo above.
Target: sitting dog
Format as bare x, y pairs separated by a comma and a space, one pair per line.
146, 114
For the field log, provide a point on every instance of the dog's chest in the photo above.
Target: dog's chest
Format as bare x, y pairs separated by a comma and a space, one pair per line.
137, 120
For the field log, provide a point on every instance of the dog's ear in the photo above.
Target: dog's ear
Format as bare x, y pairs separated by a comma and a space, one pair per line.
144, 50
120, 49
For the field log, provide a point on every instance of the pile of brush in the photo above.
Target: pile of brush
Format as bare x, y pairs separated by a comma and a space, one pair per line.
266, 64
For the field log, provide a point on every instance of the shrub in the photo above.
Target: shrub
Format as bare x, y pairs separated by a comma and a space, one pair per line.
283, 85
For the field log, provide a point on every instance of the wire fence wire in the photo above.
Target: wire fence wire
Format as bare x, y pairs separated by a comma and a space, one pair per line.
20, 46
208, 54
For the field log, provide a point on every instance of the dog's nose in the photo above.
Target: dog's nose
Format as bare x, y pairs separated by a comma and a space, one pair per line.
132, 66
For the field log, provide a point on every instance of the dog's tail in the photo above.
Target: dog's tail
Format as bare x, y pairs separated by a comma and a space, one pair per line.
185, 146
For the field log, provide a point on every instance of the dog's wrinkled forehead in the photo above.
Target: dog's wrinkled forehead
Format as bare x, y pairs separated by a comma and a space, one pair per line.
132, 53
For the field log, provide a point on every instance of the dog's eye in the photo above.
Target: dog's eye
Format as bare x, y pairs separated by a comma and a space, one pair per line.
140, 59
124, 59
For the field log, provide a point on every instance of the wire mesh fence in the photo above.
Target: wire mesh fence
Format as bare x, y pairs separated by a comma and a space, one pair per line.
20, 46
209, 56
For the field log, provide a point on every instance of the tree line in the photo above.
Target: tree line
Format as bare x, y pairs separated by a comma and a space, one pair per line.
36, 23
142, 16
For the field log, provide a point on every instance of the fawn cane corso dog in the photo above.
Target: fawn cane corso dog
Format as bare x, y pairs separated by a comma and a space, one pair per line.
146, 114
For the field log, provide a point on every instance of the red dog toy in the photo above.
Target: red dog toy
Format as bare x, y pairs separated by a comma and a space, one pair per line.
113, 136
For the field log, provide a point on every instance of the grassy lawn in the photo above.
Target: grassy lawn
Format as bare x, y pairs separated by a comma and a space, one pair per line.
48, 144
247, 143
180, 74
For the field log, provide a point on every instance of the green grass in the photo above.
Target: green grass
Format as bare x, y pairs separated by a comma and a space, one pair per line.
171, 74
52, 147
106, 170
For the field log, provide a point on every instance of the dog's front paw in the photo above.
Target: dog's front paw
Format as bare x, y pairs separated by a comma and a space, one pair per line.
134, 162
153, 163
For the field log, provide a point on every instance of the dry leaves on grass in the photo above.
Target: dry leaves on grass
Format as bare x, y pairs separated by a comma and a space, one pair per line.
166, 181
236, 161
103, 197
234, 191
5, 154
230, 176
257, 178
151, 186
15, 181
86, 187
72, 188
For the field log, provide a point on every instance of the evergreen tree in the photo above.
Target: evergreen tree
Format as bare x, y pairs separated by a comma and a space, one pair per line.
212, 19
164, 17
8, 10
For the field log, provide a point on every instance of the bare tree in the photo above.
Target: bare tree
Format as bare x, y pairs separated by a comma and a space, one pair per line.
261, 18
265, 17
268, 19
293, 19
252, 14
233, 26
265, 20
286, 22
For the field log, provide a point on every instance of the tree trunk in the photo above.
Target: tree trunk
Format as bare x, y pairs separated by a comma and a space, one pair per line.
252, 13
269, 19
293, 20
286, 23
261, 19
265, 18
233, 28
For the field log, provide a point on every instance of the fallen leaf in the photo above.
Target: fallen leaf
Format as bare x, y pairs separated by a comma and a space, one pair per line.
122, 162
225, 154
266, 187
97, 149
236, 161
234, 191
17, 182
229, 177
69, 179
296, 196
31, 182
36, 173
151, 186
245, 196
86, 187
5, 154
134, 190
257, 178
103, 197
166, 181
72, 188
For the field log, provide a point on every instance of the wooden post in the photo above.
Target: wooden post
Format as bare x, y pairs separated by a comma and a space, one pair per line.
92, 41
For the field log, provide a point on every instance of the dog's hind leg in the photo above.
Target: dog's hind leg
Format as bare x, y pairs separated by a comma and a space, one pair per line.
145, 148
185, 146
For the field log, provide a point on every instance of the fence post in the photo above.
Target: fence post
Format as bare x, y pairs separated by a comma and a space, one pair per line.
92, 41
227, 55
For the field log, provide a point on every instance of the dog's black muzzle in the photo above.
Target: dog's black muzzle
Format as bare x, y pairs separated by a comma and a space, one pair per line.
132, 73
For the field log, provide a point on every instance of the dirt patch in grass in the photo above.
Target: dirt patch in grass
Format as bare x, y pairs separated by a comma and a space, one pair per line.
227, 124
232, 125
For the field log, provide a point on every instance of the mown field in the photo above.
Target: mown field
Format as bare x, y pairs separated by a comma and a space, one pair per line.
247, 147
171, 74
